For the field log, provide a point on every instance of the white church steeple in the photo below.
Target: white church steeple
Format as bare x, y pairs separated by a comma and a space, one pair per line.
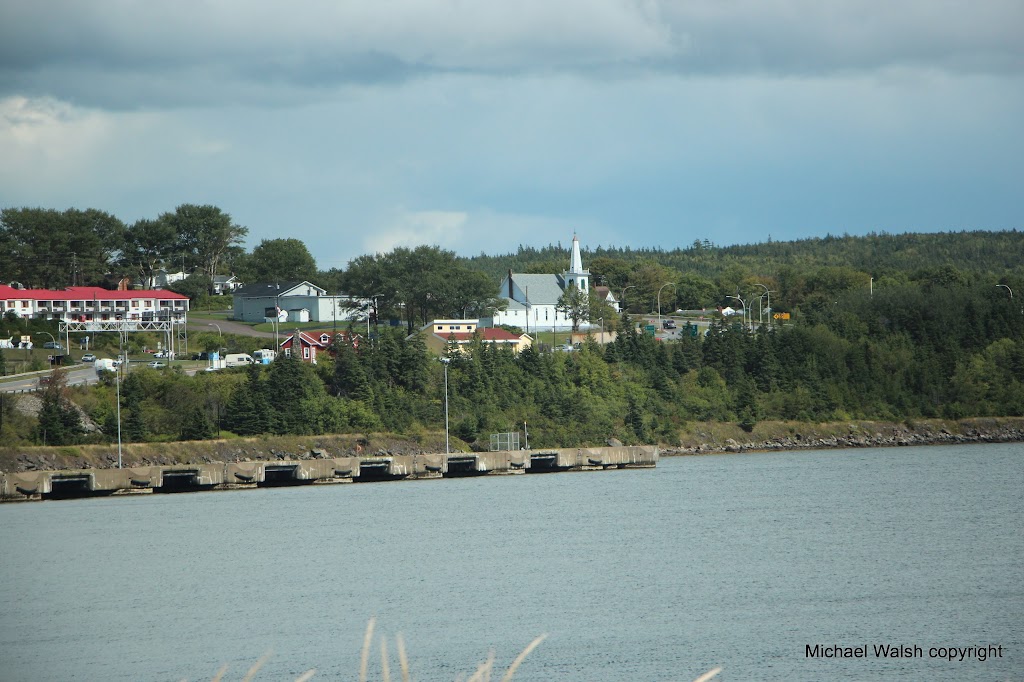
576, 275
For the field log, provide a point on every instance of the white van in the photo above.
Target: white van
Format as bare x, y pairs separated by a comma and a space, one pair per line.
238, 360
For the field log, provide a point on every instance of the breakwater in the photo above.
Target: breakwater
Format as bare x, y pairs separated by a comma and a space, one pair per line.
73, 483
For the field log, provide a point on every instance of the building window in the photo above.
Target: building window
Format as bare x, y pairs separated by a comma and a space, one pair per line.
135, 303
305, 352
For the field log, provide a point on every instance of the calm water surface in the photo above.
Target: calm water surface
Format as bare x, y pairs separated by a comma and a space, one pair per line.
737, 561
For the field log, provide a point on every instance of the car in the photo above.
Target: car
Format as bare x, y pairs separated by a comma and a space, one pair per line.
156, 364
200, 356
160, 354
668, 324
88, 357
53, 345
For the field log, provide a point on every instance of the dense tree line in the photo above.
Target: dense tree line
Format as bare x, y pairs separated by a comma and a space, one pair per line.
804, 271
905, 351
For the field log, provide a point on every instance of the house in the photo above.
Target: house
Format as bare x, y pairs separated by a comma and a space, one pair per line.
313, 344
225, 284
533, 299
440, 333
605, 294
286, 301
162, 279
92, 304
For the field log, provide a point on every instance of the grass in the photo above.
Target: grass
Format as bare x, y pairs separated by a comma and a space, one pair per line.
483, 672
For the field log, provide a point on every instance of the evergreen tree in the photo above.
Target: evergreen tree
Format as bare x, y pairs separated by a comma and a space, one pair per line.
290, 384
196, 424
350, 380
59, 422
248, 412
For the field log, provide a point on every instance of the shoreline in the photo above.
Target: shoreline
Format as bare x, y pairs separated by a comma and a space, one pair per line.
696, 438
850, 434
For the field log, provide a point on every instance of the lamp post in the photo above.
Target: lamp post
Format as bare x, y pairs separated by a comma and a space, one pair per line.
1008, 289
52, 339
445, 361
117, 383
219, 332
743, 306
601, 320
666, 284
622, 298
122, 333
760, 309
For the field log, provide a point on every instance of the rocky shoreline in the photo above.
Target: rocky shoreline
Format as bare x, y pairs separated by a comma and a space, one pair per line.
869, 435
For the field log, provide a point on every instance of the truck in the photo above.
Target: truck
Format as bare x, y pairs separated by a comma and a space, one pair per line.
238, 360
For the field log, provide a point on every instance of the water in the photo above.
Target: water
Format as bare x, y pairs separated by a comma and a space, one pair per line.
736, 561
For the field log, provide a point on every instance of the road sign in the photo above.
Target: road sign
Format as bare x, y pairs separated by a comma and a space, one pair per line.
781, 316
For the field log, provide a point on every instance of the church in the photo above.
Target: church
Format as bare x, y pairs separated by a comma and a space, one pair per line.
532, 298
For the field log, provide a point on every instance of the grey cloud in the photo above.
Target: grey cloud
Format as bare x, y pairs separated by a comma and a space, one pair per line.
139, 53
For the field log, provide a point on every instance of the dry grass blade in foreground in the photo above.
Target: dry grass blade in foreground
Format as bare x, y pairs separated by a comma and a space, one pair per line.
482, 674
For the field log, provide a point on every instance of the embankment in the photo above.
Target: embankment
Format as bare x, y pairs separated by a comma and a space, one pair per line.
696, 438
721, 437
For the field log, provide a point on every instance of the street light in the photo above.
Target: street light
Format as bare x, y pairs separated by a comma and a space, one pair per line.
760, 310
54, 343
445, 361
1008, 289
743, 306
601, 320
666, 284
622, 298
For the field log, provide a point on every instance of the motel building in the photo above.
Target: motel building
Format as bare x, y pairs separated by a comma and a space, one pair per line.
93, 304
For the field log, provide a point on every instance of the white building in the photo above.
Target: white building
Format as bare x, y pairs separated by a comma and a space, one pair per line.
93, 304
293, 302
532, 299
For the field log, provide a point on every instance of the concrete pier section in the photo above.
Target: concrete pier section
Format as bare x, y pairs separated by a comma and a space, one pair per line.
42, 485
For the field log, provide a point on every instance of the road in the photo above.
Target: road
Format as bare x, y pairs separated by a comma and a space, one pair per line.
82, 374
227, 327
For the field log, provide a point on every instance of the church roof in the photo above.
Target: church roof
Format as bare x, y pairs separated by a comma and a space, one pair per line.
543, 289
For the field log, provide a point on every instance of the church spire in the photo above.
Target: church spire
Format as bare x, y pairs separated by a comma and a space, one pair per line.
576, 275
576, 261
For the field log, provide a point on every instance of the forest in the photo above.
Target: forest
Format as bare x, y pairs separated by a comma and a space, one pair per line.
882, 327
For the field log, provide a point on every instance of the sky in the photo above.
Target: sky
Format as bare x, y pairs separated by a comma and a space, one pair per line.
479, 125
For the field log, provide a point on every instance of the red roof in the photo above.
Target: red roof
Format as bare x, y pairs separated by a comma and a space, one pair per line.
313, 339
85, 294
